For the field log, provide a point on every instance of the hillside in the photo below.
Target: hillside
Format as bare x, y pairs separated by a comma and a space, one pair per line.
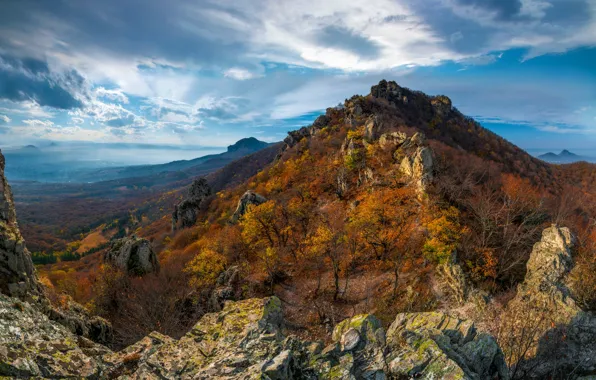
55, 214
476, 259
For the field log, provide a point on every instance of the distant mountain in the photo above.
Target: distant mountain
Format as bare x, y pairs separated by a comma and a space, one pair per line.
59, 163
565, 157
205, 164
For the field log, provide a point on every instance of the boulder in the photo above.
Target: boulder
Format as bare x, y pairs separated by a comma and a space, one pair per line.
436, 346
226, 289
133, 255
186, 212
248, 198
392, 140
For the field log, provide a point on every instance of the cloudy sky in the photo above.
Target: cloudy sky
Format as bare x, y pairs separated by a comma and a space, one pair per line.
202, 72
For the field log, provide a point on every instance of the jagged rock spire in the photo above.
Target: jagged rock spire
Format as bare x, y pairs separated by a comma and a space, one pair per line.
17, 273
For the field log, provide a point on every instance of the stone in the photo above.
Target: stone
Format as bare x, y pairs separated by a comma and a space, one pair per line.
350, 339
133, 255
371, 129
226, 288
392, 140
32, 345
436, 345
419, 168
249, 198
280, 367
186, 212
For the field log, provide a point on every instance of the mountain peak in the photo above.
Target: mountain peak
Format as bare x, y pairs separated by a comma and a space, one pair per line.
567, 153
249, 143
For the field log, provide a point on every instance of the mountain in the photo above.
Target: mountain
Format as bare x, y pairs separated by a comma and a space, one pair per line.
565, 157
81, 207
57, 163
394, 237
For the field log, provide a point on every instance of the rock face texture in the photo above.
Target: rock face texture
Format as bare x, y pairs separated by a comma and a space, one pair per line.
186, 212
249, 198
134, 255
437, 346
17, 274
245, 341
418, 163
565, 338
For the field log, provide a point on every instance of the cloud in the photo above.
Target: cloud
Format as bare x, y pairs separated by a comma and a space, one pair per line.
4, 119
77, 120
31, 80
114, 95
38, 123
239, 74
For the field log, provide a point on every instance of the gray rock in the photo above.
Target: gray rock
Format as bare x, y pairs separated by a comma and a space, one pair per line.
392, 140
565, 336
133, 255
248, 198
17, 273
280, 367
186, 212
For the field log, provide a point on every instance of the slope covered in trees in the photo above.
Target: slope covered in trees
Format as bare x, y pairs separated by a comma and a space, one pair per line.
392, 202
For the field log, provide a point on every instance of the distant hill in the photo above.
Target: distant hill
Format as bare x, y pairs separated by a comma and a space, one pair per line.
207, 163
565, 157
63, 164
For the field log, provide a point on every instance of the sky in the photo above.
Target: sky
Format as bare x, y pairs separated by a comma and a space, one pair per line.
207, 73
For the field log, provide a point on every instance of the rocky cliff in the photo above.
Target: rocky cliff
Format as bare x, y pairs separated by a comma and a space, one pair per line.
18, 280
17, 274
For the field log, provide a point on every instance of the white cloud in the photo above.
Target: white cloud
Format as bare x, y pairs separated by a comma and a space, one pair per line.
239, 74
38, 123
114, 95
4, 119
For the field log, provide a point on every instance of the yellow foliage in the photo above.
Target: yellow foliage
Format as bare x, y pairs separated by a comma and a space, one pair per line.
205, 267
445, 232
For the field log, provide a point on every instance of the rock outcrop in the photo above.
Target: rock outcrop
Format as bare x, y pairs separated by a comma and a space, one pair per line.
33, 345
564, 337
437, 346
249, 198
245, 341
417, 161
17, 273
19, 279
186, 212
133, 255
226, 288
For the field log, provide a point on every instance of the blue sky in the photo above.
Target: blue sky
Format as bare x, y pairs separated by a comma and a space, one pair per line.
211, 72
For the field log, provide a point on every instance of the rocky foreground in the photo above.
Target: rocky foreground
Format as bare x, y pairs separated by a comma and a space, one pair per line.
246, 341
